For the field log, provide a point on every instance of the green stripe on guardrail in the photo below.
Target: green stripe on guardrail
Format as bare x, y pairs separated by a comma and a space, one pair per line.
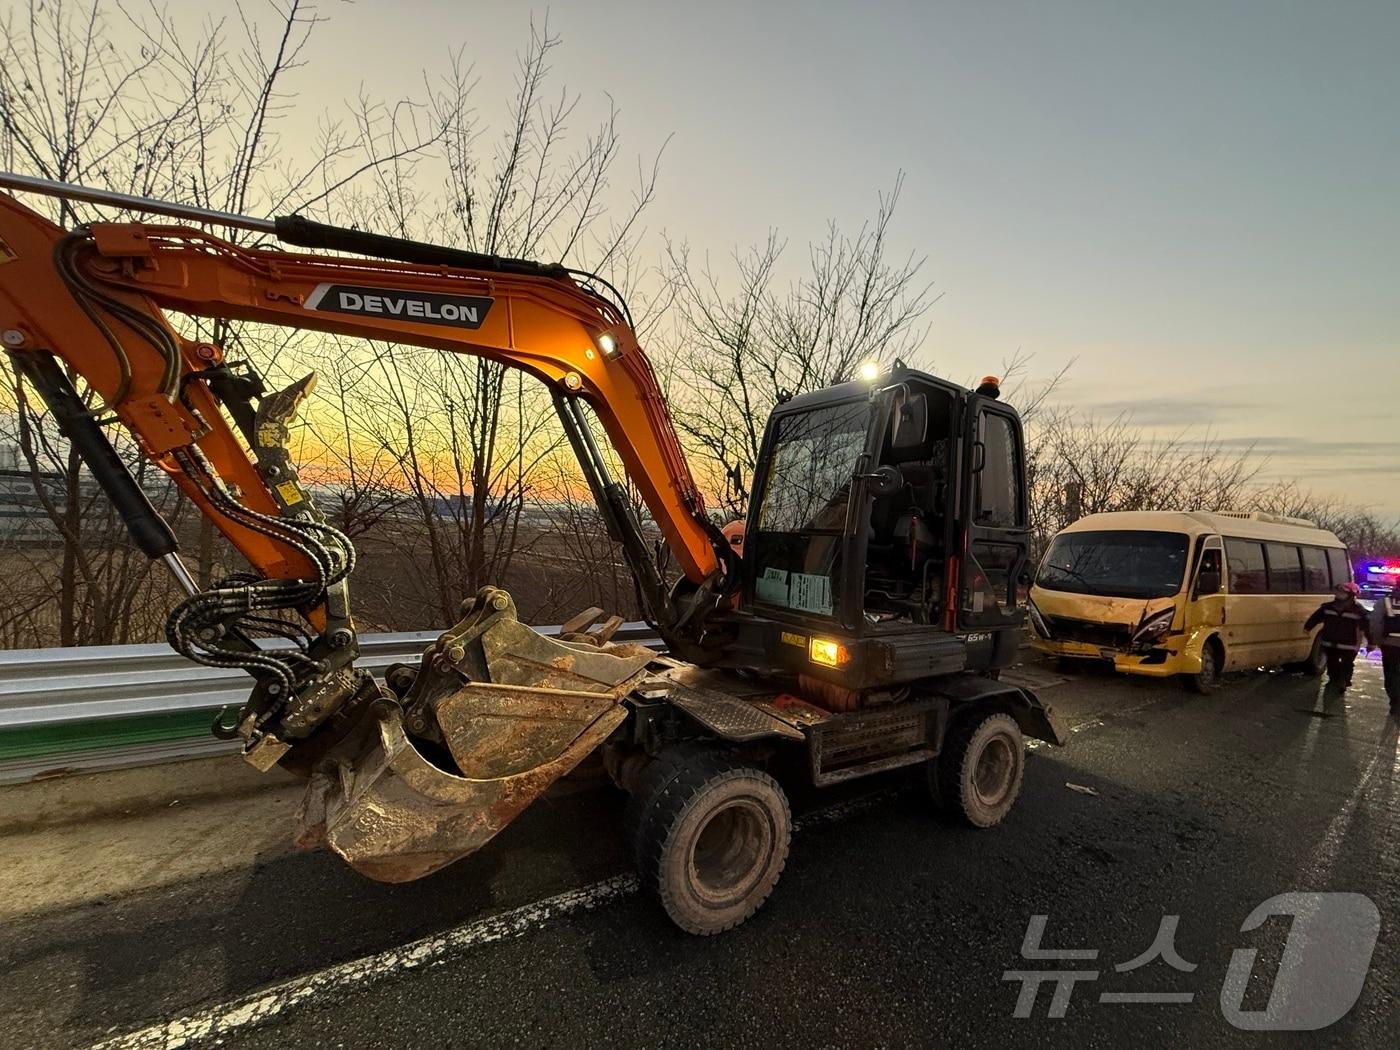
37, 741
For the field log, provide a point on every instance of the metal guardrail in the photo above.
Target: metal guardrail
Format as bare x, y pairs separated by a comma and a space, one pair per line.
104, 706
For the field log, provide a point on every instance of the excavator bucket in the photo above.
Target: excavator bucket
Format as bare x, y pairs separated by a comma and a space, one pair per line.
495, 714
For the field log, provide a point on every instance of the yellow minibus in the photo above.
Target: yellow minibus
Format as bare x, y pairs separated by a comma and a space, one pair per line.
1186, 593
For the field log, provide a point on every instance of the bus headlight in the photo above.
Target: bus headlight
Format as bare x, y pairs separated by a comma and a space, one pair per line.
1154, 626
1038, 621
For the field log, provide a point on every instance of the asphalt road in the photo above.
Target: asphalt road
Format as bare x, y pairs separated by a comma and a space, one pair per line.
889, 927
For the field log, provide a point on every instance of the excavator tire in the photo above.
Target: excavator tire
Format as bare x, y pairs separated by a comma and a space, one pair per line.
712, 840
651, 785
977, 776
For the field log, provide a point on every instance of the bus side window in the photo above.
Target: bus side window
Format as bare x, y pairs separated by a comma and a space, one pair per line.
1285, 568
1246, 561
1337, 561
1315, 570
1208, 580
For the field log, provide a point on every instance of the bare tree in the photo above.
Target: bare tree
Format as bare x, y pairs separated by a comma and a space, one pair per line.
744, 340
1366, 534
468, 435
180, 117
1078, 464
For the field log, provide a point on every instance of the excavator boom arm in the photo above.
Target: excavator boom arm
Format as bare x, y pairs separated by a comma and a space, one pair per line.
544, 322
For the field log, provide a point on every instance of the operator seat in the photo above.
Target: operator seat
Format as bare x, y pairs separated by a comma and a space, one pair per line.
906, 526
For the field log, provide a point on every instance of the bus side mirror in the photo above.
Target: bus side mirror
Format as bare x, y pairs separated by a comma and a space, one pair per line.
1208, 582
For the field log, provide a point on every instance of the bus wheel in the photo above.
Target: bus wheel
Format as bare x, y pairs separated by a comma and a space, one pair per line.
1207, 680
1316, 663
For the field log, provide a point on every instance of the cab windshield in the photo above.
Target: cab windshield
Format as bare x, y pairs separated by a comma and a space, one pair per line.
1115, 564
801, 520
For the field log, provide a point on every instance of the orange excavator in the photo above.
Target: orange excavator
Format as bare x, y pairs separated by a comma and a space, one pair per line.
858, 628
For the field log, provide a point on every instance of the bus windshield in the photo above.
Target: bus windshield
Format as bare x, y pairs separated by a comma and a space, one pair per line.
1115, 564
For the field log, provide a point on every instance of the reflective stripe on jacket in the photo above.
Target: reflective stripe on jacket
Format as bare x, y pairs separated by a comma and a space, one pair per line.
1344, 624
1384, 626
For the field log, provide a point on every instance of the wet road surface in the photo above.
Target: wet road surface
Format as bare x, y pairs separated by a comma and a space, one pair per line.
889, 926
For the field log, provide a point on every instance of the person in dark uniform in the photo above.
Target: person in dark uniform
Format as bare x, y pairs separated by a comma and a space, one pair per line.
1344, 629
1385, 634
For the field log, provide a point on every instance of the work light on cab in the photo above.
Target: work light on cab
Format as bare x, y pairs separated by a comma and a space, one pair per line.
608, 345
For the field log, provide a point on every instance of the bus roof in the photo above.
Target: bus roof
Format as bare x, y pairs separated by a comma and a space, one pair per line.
1200, 523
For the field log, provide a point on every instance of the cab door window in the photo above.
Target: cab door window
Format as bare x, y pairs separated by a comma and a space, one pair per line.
998, 541
1337, 562
998, 493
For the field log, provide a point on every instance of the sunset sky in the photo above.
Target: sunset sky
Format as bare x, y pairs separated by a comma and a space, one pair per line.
1194, 203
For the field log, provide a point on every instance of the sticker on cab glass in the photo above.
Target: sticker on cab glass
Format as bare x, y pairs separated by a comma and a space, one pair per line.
772, 586
811, 593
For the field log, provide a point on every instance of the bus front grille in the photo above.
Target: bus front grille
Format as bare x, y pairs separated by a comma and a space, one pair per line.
1106, 635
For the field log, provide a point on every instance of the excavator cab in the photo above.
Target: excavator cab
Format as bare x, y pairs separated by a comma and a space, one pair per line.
887, 538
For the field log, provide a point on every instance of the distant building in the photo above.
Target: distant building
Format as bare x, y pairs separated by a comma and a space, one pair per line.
22, 516
23, 519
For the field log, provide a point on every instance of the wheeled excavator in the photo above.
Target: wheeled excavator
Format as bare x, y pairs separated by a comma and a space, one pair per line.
859, 627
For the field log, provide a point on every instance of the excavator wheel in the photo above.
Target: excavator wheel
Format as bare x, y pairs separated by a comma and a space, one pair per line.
711, 838
650, 788
977, 776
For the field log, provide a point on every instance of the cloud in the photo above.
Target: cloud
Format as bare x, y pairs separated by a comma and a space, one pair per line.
1317, 458
1366, 472
1169, 411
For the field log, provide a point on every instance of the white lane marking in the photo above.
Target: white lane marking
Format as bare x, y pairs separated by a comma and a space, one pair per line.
261, 1007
